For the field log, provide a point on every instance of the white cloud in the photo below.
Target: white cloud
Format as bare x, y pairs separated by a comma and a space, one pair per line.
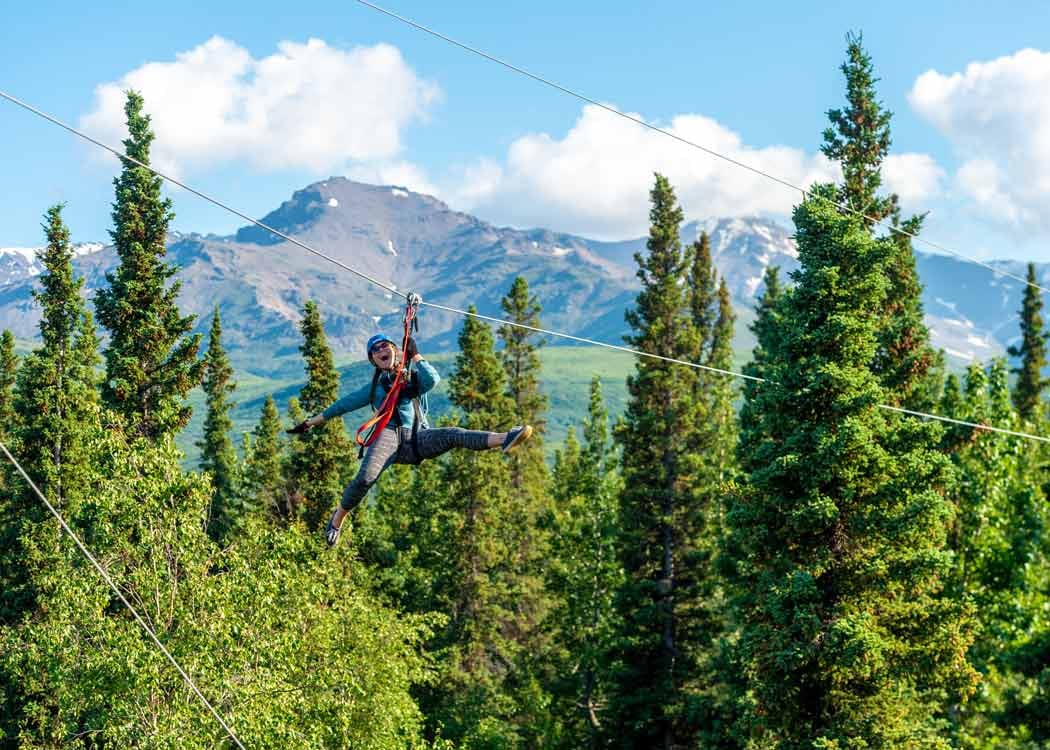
913, 177
399, 173
308, 106
596, 179
994, 113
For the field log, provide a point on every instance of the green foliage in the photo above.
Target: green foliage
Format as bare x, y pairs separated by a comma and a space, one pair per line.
323, 460
151, 361
838, 531
263, 487
218, 456
677, 440
55, 395
908, 368
8, 373
1000, 553
859, 137
1028, 390
521, 362
583, 576
286, 642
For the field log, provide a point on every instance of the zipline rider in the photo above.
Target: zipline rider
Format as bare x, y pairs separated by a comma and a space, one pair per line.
397, 433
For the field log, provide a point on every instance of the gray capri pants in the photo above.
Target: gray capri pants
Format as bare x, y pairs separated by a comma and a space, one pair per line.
394, 446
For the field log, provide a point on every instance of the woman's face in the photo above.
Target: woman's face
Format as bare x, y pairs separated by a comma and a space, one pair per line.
383, 355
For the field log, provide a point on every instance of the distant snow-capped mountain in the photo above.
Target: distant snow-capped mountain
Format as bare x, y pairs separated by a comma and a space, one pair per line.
20, 263
417, 243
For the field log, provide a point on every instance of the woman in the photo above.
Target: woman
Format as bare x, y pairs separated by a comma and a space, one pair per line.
395, 444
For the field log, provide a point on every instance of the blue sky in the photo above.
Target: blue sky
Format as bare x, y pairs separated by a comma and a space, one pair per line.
752, 79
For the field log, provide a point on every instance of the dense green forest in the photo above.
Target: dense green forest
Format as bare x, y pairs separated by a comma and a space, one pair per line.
776, 563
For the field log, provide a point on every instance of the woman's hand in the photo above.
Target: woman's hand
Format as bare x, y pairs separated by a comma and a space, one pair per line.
307, 424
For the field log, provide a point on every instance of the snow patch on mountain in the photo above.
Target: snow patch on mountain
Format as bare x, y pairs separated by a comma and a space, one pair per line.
27, 253
333, 202
399, 192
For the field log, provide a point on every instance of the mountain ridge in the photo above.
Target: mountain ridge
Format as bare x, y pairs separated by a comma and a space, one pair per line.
418, 243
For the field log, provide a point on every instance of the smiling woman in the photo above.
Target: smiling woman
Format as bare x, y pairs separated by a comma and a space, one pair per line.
398, 432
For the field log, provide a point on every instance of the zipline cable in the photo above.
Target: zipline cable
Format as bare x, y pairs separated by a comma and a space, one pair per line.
467, 313
102, 572
711, 152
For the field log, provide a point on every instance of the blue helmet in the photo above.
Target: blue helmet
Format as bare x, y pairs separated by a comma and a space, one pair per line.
379, 337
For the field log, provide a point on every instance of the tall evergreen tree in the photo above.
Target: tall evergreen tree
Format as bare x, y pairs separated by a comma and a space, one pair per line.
859, 138
838, 532
263, 487
521, 362
218, 456
908, 368
1028, 390
766, 329
483, 563
584, 575
57, 399
8, 374
665, 635
326, 454
151, 361
55, 395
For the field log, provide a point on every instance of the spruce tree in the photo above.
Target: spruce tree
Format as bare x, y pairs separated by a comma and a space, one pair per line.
838, 530
521, 362
664, 506
484, 561
584, 575
8, 374
56, 396
1028, 389
765, 329
291, 498
263, 487
218, 456
859, 138
151, 360
908, 368
325, 455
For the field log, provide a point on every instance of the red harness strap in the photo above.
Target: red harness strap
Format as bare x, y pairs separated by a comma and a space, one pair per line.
378, 421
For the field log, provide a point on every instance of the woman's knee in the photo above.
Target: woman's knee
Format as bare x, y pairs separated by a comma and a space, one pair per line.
354, 493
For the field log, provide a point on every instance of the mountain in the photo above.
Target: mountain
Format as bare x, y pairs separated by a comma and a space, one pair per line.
417, 243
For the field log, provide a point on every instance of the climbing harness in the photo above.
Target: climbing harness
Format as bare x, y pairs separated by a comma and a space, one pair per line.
374, 426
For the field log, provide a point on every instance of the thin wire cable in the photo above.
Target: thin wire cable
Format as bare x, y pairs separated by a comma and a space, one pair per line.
559, 334
102, 572
569, 336
974, 425
198, 193
693, 144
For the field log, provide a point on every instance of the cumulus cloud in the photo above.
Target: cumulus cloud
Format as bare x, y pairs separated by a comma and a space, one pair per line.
308, 105
400, 173
913, 177
994, 113
596, 179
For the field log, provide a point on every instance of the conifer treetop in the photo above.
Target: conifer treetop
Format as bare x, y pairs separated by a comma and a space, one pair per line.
859, 136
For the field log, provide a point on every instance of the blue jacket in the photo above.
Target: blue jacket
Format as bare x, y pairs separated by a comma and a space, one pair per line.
424, 377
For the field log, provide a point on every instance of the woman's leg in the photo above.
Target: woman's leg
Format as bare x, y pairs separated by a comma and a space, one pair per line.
379, 455
437, 440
